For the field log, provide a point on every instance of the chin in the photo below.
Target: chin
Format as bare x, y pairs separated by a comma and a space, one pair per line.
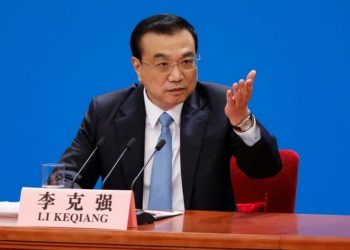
170, 105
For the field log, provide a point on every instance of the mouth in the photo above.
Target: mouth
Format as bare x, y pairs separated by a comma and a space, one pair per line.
176, 91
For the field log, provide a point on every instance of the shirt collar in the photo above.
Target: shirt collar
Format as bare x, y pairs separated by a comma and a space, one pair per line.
153, 112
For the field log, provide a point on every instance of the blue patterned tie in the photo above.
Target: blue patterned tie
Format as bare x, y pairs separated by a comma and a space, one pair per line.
160, 196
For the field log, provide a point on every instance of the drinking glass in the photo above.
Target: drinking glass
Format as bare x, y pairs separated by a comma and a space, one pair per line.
53, 175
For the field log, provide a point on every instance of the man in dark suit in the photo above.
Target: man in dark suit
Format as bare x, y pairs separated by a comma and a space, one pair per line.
210, 123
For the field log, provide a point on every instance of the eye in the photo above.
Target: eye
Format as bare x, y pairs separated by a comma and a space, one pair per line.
187, 61
162, 65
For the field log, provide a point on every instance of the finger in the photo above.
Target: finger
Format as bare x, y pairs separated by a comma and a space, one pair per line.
233, 89
249, 88
242, 88
237, 93
250, 83
232, 92
242, 91
229, 97
251, 75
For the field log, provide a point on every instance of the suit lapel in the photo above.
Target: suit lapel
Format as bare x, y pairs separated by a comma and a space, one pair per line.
194, 121
130, 123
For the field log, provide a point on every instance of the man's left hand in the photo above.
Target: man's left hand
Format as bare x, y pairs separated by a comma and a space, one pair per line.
236, 107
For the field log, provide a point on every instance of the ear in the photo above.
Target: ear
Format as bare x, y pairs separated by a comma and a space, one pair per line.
136, 63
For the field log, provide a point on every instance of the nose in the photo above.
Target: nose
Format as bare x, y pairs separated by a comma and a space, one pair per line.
175, 74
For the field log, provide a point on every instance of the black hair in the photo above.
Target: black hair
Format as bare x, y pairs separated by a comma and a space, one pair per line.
167, 24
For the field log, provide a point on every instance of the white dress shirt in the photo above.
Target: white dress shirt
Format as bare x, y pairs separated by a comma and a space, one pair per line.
152, 133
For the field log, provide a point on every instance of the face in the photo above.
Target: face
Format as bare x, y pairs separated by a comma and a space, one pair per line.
166, 90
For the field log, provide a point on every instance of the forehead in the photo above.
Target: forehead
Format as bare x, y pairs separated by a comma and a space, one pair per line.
154, 45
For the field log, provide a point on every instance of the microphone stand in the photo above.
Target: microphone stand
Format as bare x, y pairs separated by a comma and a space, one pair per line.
142, 216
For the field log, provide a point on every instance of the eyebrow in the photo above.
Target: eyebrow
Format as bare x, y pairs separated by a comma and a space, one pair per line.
161, 55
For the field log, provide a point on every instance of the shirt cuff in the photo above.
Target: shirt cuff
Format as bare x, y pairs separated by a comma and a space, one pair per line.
251, 136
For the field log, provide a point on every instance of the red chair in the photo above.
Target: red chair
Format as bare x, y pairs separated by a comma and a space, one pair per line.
275, 194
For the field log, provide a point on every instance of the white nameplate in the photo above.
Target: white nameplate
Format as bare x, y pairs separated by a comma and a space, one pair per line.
79, 208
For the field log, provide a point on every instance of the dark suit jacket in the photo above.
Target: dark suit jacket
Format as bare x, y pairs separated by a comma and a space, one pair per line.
207, 144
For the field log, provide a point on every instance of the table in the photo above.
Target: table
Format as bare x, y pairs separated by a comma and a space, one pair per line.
193, 230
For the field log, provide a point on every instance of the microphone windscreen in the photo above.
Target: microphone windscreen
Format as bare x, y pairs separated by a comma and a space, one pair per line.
101, 141
160, 144
130, 143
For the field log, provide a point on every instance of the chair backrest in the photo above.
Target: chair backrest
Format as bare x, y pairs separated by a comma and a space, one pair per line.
277, 194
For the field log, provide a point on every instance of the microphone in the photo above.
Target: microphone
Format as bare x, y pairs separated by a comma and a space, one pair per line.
130, 143
158, 147
142, 216
98, 144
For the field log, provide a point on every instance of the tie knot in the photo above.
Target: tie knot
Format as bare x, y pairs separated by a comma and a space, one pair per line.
165, 119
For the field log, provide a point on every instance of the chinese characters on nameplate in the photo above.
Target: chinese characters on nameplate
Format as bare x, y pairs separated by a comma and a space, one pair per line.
79, 208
